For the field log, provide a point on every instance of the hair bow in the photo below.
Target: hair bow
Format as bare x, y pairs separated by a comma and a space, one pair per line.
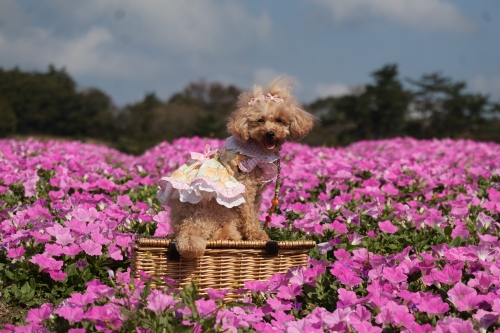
202, 157
267, 97
275, 98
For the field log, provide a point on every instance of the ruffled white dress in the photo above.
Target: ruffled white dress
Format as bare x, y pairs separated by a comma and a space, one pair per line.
209, 176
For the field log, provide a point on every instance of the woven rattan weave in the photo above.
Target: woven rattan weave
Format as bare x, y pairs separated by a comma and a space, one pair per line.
224, 265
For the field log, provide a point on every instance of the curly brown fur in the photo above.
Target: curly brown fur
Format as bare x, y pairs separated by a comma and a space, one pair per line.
193, 225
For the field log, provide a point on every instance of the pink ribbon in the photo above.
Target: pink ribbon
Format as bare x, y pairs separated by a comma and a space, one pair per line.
267, 98
275, 98
202, 157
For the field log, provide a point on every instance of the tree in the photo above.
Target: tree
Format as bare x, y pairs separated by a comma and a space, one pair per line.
445, 109
8, 118
375, 112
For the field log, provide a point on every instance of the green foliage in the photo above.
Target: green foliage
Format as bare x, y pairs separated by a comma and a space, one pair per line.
8, 124
50, 104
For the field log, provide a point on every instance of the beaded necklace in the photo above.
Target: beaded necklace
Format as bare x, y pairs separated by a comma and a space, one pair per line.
274, 201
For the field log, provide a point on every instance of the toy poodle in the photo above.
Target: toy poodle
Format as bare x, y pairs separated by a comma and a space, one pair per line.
217, 194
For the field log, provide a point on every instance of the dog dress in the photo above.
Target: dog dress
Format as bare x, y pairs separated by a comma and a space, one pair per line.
211, 175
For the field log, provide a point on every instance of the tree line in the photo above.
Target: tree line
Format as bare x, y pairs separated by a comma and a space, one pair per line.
433, 106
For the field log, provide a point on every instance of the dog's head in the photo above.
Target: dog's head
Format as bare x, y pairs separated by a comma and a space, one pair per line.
269, 116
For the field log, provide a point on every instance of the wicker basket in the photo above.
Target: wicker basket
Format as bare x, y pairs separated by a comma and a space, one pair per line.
224, 262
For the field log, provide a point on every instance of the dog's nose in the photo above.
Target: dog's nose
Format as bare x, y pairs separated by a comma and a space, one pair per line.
270, 135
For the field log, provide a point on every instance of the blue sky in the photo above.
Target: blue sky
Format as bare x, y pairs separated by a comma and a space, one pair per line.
128, 47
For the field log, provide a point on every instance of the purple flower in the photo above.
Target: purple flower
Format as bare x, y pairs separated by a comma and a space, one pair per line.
81, 264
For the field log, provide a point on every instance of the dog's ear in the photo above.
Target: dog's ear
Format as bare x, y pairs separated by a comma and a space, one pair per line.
301, 123
237, 125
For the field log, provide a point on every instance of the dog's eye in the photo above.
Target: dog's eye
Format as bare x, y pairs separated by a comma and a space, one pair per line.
278, 120
261, 120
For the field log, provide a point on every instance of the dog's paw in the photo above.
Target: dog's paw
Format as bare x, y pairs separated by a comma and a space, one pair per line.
191, 247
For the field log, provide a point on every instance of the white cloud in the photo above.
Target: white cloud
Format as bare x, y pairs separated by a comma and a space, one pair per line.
161, 36
486, 85
206, 26
90, 53
436, 15
331, 90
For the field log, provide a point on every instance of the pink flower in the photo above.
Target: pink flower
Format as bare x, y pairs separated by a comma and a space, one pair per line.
71, 313
64, 239
215, 294
463, 297
46, 263
206, 308
37, 316
91, 248
366, 327
360, 315
106, 317
387, 227
289, 292
448, 275
158, 302
58, 275
482, 281
71, 250
16, 253
347, 298
124, 200
394, 275
81, 299
404, 319
279, 305
115, 252
256, 286
355, 238
349, 278
53, 250
296, 275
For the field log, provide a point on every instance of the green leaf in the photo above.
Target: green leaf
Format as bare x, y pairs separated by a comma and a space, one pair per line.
456, 242
441, 231
25, 289
10, 275
448, 230
71, 270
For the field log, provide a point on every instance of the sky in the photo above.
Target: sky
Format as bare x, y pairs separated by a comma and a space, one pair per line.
129, 48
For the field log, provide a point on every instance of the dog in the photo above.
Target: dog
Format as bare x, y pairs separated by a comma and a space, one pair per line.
217, 194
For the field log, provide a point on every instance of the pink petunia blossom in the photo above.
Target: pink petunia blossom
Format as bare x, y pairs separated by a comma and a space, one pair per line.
58, 275
387, 227
91, 248
37, 316
158, 302
289, 292
73, 314
115, 252
16, 253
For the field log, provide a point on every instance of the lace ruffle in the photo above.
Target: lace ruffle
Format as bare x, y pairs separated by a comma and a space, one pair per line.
198, 190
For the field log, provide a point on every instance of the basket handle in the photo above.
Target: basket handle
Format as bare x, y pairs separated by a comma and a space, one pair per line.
272, 248
173, 254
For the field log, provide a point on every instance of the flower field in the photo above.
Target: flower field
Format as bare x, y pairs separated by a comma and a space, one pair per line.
407, 235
